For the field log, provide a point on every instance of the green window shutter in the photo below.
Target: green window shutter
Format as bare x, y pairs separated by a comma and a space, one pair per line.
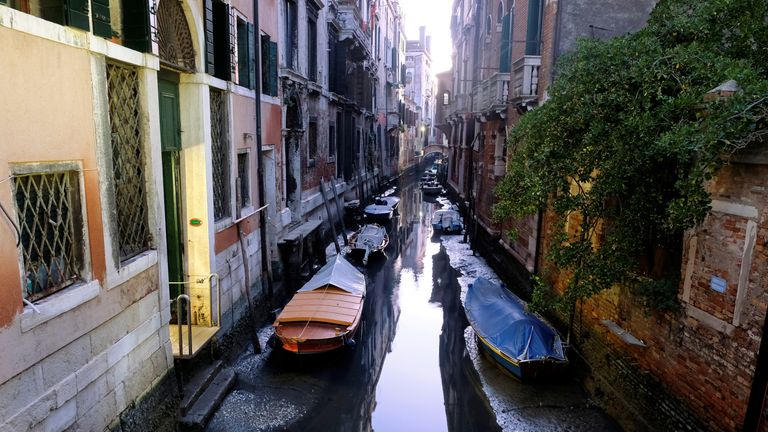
273, 68
136, 32
504, 61
251, 57
209, 53
264, 39
533, 32
101, 21
3, 2
76, 12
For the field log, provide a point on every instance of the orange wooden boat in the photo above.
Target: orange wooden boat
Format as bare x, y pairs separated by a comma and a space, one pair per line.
325, 313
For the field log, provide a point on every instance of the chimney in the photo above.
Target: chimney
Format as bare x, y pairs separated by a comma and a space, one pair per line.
428, 48
422, 35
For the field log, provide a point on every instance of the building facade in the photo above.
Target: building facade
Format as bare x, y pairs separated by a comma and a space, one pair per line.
125, 205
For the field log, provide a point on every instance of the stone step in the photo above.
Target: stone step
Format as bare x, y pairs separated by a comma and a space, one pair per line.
197, 385
201, 411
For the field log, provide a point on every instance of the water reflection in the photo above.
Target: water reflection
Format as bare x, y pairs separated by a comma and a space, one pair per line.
409, 370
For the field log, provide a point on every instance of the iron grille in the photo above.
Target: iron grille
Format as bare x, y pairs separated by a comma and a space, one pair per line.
128, 161
220, 151
50, 223
174, 38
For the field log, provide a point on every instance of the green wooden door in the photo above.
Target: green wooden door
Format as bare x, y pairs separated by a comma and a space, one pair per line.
170, 139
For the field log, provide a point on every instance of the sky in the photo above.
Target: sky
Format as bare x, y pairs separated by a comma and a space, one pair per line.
436, 15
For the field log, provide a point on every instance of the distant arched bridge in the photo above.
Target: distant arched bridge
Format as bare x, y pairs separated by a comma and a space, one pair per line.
436, 148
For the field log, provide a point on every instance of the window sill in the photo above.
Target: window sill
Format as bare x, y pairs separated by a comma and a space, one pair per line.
131, 268
223, 223
58, 303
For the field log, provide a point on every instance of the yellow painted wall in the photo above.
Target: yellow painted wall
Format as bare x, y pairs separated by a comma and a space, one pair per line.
46, 114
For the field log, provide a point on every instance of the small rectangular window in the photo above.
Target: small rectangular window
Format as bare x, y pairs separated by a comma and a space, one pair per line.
134, 235
50, 220
268, 66
217, 39
312, 49
331, 141
243, 180
312, 138
291, 34
220, 155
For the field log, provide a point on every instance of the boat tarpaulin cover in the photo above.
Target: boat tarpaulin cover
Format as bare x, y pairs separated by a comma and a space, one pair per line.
500, 318
339, 273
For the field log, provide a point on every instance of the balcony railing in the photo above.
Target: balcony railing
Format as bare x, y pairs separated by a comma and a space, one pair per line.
491, 94
526, 82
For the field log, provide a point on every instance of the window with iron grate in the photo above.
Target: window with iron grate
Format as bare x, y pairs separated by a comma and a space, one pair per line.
49, 209
243, 181
128, 163
220, 152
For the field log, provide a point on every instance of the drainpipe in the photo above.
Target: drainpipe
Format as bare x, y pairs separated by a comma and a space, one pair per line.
266, 264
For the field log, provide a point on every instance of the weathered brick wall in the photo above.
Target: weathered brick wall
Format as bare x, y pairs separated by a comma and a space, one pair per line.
697, 366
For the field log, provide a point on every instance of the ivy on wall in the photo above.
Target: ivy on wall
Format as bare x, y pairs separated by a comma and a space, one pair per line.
622, 150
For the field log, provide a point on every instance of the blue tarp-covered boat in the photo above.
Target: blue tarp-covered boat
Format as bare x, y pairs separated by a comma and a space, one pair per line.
519, 341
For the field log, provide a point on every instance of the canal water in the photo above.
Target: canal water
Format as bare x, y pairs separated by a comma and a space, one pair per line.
414, 367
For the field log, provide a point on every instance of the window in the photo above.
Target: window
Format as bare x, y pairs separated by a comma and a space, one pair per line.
533, 32
243, 181
72, 13
268, 66
487, 26
446, 98
291, 34
246, 71
312, 47
500, 13
332, 140
50, 221
218, 49
220, 155
128, 164
312, 139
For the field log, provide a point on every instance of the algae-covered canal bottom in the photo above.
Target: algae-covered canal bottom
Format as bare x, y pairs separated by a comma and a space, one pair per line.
415, 366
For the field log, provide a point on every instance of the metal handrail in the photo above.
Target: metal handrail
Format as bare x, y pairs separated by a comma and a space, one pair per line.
189, 322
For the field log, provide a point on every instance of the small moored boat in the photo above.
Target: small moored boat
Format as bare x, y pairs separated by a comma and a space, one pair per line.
446, 220
392, 201
432, 188
325, 313
379, 211
369, 238
519, 341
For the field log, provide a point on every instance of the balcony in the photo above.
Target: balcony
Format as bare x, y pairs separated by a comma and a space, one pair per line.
526, 82
353, 26
491, 94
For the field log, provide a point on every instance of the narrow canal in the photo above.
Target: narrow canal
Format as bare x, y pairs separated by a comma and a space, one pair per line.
412, 368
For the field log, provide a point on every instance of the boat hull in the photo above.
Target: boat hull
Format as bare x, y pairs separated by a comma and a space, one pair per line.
531, 370
318, 337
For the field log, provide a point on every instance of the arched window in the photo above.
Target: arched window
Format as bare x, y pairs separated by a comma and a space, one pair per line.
488, 25
446, 97
500, 13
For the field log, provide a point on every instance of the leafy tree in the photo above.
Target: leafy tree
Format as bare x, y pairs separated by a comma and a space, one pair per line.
624, 147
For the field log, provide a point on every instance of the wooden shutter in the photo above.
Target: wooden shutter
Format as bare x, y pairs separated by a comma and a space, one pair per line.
136, 31
209, 52
265, 64
101, 21
251, 57
233, 44
76, 12
506, 39
273, 68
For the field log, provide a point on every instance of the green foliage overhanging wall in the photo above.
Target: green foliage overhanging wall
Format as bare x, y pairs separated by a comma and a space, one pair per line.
627, 129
